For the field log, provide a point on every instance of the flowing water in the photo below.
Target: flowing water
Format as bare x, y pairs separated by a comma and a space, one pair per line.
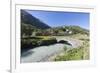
42, 53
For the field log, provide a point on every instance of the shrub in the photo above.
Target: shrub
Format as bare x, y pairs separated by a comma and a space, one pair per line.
32, 42
48, 41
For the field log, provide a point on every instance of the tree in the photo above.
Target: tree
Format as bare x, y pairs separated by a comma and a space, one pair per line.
26, 30
56, 32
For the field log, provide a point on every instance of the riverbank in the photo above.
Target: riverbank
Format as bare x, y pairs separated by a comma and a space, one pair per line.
80, 52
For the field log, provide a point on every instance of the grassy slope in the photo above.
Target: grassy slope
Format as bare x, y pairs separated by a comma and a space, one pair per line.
79, 53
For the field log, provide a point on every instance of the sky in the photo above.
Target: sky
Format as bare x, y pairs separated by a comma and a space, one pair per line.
54, 19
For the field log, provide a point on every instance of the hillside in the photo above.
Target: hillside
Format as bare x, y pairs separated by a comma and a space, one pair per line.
64, 30
27, 18
72, 29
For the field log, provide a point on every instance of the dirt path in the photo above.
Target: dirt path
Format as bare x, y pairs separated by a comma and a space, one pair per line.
75, 42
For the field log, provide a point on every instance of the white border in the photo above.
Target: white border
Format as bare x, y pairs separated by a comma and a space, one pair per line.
16, 66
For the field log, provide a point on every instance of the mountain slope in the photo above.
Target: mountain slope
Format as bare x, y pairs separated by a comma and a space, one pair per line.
27, 18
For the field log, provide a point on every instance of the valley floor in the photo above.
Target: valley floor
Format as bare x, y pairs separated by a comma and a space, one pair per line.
60, 52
